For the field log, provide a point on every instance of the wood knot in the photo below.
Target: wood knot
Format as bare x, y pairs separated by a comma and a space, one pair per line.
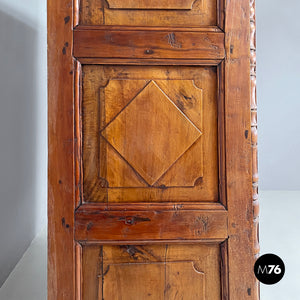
149, 51
131, 220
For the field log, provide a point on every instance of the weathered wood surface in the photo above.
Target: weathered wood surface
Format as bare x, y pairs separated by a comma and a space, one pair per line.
137, 145
148, 44
118, 272
93, 225
151, 4
239, 152
98, 12
127, 203
61, 268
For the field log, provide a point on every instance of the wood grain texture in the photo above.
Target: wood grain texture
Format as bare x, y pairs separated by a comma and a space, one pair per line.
78, 132
78, 272
150, 62
152, 271
198, 13
221, 14
151, 4
91, 12
239, 151
113, 175
152, 150
135, 123
148, 44
114, 226
61, 245
212, 28
222, 134
152, 206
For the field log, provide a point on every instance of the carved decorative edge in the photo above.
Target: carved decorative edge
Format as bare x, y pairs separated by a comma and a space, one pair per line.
254, 123
253, 99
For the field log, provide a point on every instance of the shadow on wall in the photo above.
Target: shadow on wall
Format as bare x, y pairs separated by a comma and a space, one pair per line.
18, 98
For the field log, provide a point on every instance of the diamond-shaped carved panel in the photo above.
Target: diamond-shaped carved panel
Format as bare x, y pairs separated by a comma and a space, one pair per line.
151, 133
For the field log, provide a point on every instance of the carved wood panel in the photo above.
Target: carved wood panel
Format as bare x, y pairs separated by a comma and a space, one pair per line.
149, 12
175, 72
150, 134
151, 272
151, 145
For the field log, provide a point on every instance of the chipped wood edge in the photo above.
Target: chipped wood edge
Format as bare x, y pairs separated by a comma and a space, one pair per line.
253, 97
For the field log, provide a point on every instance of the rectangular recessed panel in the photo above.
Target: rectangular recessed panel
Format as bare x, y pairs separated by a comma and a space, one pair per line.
149, 134
157, 272
149, 12
151, 4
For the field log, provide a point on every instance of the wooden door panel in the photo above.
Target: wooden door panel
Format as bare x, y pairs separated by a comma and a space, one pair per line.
149, 13
151, 272
151, 174
150, 134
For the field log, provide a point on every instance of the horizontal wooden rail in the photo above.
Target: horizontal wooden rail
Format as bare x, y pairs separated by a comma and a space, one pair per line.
96, 225
148, 44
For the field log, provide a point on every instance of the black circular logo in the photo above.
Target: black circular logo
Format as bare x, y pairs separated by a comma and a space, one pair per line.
269, 269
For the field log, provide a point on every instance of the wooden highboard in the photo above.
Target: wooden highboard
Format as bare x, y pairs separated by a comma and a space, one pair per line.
152, 127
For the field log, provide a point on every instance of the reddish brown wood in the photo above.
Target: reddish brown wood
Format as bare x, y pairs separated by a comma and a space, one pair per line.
140, 206
149, 62
78, 272
209, 28
224, 270
98, 12
168, 274
148, 44
239, 151
92, 225
78, 132
61, 256
76, 10
166, 237
222, 134
151, 4
111, 174
221, 14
